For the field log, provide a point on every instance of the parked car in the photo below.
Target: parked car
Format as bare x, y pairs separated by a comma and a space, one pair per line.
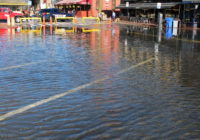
5, 12
52, 12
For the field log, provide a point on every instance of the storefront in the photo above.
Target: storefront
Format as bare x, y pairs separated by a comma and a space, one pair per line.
150, 10
14, 4
110, 5
187, 11
81, 7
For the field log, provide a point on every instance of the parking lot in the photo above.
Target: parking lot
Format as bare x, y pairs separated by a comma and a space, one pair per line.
109, 81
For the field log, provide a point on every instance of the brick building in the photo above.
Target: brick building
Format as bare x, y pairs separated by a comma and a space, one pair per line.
89, 7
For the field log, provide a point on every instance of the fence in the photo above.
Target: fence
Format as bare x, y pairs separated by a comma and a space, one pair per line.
64, 18
90, 18
30, 19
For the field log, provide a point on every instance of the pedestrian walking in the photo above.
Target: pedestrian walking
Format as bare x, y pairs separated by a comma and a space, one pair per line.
113, 15
100, 16
73, 12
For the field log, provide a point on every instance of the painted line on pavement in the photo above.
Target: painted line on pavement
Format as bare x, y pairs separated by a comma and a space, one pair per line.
52, 98
22, 65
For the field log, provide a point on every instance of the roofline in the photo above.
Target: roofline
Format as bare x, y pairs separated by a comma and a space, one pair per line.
19, 4
146, 5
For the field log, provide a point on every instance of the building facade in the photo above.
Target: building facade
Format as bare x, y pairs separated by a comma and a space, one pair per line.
89, 7
183, 10
14, 4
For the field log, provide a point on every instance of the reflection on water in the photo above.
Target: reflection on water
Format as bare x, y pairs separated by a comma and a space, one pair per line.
168, 33
62, 30
84, 30
154, 100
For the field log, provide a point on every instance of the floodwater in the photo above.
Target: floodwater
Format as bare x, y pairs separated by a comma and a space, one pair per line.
111, 82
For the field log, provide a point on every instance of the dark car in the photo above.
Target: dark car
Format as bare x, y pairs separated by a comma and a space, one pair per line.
52, 12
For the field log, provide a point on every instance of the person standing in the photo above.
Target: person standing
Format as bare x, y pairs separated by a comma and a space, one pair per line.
73, 12
32, 12
113, 15
100, 16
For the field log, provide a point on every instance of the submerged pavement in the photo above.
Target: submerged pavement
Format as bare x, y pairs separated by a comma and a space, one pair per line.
99, 82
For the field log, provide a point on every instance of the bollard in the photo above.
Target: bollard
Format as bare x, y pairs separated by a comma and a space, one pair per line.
13, 21
44, 31
75, 21
160, 20
75, 30
51, 29
13, 31
51, 20
43, 20
110, 21
8, 20
159, 36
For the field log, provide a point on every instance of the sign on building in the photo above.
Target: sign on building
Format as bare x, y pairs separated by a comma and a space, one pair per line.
107, 3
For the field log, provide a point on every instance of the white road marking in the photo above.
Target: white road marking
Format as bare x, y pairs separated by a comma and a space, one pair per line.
18, 66
41, 102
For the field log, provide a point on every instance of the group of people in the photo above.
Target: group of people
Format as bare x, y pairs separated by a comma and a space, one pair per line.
29, 12
100, 15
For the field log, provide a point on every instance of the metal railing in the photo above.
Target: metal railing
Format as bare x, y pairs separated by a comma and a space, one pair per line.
96, 18
139, 19
63, 18
31, 18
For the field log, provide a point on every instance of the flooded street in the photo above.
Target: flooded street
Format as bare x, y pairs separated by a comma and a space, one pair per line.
111, 82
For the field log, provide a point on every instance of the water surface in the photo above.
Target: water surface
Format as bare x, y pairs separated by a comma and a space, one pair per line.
155, 100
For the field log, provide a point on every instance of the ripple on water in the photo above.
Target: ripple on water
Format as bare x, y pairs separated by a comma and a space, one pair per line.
156, 100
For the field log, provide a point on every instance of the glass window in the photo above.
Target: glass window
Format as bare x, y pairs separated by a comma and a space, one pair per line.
5, 10
56, 10
45, 11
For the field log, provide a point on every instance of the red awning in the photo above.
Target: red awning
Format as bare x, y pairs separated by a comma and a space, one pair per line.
68, 2
85, 2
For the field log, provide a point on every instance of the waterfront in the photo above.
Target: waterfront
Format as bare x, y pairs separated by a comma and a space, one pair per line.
112, 82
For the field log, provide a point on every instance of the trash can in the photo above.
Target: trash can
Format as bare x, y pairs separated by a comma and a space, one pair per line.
169, 22
175, 24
